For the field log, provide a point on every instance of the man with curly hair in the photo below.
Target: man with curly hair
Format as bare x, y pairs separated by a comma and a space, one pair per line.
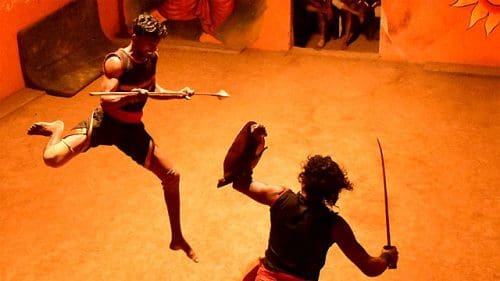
118, 119
304, 227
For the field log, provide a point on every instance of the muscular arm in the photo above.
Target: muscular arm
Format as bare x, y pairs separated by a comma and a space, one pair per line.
345, 239
260, 192
112, 71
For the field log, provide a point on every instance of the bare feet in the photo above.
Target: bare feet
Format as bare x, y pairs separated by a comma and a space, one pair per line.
321, 43
343, 45
46, 128
207, 38
183, 245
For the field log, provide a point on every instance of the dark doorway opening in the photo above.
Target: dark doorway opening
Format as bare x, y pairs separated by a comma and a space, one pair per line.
349, 25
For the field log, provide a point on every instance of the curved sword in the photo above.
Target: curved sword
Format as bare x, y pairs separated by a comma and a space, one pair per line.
387, 226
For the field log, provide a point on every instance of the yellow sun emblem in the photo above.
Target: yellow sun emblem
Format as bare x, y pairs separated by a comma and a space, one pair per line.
484, 8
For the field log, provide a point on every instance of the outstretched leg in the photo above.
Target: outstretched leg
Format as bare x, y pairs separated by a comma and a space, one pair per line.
170, 179
58, 150
321, 24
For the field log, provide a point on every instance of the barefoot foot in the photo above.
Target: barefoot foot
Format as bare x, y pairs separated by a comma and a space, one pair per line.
207, 38
46, 128
183, 245
321, 43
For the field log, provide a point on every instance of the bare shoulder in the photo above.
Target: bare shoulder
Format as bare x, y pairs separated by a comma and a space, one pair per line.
276, 191
341, 229
113, 67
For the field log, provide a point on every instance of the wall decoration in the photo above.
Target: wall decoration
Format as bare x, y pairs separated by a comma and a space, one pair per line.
488, 9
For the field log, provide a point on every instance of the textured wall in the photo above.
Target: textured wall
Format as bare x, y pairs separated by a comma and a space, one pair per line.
415, 30
275, 27
18, 14
435, 31
15, 15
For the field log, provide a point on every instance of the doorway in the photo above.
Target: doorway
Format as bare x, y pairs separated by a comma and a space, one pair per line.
347, 25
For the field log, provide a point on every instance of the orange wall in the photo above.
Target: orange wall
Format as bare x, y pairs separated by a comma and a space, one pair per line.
108, 15
411, 32
18, 14
275, 32
433, 31
416, 31
14, 16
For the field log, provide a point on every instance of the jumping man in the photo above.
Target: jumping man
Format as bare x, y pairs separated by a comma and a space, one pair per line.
118, 119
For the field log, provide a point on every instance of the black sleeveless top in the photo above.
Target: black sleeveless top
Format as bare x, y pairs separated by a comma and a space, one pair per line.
136, 75
300, 237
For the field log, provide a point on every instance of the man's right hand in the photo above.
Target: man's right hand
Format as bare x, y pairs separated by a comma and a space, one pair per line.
390, 254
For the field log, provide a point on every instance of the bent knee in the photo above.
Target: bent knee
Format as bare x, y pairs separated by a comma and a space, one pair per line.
54, 158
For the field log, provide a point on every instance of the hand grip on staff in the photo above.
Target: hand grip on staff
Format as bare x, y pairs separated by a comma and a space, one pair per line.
391, 263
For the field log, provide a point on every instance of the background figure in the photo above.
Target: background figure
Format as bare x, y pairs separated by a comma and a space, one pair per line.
207, 15
324, 14
303, 224
118, 120
232, 22
304, 23
358, 17
213, 13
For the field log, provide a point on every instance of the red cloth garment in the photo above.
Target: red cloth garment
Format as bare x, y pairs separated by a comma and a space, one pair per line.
264, 274
213, 13
178, 9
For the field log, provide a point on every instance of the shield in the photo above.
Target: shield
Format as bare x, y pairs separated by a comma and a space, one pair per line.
244, 153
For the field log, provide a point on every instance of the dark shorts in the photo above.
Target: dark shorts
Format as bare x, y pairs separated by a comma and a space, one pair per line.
132, 139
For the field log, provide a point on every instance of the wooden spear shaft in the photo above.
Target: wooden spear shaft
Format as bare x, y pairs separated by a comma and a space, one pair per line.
220, 94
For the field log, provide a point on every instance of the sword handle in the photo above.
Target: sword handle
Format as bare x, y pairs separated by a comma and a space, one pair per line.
391, 264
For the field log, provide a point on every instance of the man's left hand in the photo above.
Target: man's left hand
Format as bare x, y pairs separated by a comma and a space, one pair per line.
140, 91
187, 93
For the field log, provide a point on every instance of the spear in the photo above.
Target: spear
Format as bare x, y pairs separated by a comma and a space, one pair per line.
219, 94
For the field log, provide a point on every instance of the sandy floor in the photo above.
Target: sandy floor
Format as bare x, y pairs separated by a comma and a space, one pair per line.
102, 217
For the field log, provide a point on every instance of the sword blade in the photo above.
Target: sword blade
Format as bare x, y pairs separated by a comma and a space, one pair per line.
387, 226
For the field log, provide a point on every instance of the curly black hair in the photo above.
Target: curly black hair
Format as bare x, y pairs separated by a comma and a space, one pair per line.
147, 25
322, 180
